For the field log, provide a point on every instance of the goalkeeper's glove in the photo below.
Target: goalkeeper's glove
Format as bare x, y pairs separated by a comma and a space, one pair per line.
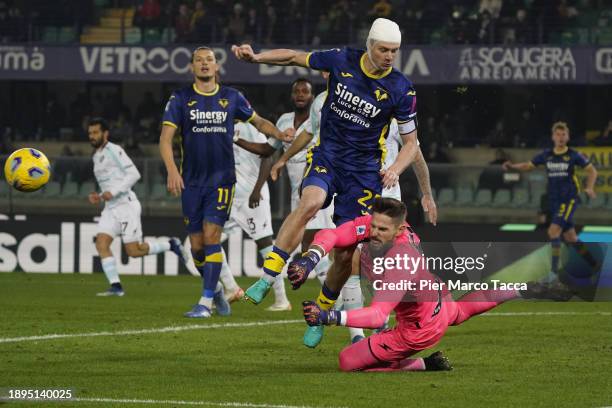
315, 316
299, 269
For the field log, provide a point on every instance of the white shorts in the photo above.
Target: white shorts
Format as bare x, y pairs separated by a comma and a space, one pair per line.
393, 192
256, 222
323, 218
122, 220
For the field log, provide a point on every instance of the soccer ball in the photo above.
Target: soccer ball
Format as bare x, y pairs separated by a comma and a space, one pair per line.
27, 169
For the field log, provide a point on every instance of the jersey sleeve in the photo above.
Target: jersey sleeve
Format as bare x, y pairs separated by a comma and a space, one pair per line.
324, 60
244, 111
173, 111
539, 159
581, 160
130, 174
406, 111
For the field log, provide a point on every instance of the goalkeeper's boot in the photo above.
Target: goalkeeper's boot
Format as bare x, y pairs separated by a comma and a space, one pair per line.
313, 336
257, 291
199, 311
222, 305
437, 362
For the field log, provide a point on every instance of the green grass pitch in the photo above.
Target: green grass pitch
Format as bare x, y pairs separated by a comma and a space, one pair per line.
521, 354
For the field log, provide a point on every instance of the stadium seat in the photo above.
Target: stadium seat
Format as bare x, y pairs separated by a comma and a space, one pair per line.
465, 196
536, 198
4, 189
446, 196
133, 36
501, 199
609, 201
70, 189
483, 197
49, 34
86, 188
159, 191
151, 36
53, 189
141, 190
597, 202
168, 35
520, 197
66, 35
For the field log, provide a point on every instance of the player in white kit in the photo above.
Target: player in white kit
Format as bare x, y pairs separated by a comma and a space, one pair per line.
251, 211
294, 156
116, 174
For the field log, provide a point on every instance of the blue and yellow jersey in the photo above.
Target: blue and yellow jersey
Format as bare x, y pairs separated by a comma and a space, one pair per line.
206, 122
357, 112
562, 182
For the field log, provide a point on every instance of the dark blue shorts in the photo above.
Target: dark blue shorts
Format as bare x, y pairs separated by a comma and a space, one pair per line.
562, 212
206, 204
354, 190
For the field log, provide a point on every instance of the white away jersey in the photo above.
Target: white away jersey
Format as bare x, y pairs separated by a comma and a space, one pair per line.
286, 122
315, 115
247, 163
115, 172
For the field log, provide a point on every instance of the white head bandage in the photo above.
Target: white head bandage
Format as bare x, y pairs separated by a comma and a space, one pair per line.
383, 30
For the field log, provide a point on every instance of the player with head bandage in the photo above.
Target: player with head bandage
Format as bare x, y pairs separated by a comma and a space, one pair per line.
365, 94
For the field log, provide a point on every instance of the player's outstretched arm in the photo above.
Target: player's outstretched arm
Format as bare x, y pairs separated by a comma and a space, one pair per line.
175, 182
523, 166
422, 174
261, 149
267, 128
404, 157
264, 171
589, 189
280, 56
300, 142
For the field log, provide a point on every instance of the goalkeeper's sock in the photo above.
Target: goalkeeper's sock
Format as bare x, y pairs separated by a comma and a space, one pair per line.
327, 298
322, 268
226, 277
274, 263
352, 298
157, 247
109, 266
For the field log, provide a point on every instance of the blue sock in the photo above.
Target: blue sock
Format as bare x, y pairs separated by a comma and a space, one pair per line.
212, 269
199, 258
274, 262
556, 251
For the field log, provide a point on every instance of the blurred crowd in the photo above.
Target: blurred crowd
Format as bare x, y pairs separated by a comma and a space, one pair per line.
315, 22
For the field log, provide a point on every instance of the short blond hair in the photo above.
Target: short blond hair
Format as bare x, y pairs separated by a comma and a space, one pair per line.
560, 125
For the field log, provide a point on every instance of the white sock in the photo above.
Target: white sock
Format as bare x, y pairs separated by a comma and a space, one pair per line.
226, 276
157, 247
204, 301
352, 298
322, 268
280, 295
109, 266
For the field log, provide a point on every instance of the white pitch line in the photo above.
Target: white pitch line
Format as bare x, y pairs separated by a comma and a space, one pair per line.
175, 402
169, 329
